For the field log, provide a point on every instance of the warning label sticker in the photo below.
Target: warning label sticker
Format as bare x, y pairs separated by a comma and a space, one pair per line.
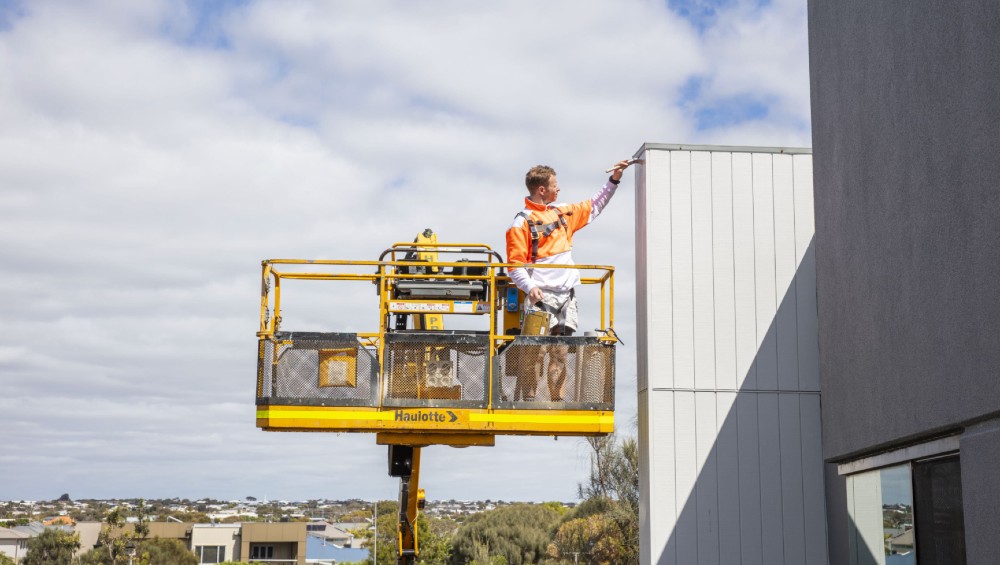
420, 306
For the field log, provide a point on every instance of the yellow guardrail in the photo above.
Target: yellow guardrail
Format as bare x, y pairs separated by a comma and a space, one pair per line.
488, 301
388, 271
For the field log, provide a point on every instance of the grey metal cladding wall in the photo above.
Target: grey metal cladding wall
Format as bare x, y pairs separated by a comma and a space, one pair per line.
905, 114
729, 408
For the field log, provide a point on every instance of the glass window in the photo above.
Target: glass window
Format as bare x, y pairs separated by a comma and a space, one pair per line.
262, 552
210, 553
880, 505
897, 515
937, 493
907, 514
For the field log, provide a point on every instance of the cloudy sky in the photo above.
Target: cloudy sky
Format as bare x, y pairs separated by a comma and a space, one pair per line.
152, 153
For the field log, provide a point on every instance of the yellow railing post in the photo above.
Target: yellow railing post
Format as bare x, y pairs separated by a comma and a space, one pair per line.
266, 268
276, 321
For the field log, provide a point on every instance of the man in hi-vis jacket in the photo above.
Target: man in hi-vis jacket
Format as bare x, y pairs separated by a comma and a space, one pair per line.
542, 234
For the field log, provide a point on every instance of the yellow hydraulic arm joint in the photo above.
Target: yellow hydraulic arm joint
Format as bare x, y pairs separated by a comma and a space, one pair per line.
404, 462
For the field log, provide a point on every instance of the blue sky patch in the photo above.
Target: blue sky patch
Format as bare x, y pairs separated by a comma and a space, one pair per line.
397, 183
206, 30
299, 120
703, 13
691, 91
10, 11
730, 111
713, 113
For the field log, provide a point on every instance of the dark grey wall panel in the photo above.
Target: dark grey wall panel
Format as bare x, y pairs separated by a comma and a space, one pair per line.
837, 526
980, 449
906, 139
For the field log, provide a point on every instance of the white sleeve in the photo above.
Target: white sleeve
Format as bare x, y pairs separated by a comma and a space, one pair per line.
601, 199
521, 278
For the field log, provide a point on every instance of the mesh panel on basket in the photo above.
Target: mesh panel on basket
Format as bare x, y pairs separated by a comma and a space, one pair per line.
431, 368
265, 355
557, 369
319, 371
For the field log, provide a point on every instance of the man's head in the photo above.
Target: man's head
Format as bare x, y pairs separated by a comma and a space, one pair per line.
542, 184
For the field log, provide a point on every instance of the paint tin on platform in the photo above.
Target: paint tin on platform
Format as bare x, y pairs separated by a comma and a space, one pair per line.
536, 323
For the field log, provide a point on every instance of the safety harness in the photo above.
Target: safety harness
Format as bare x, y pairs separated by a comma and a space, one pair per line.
537, 227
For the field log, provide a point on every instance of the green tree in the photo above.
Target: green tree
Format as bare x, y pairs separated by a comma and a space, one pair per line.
118, 539
51, 547
155, 551
434, 544
6, 559
17, 522
159, 551
557, 506
485, 559
519, 533
593, 539
614, 471
385, 529
605, 527
95, 556
359, 515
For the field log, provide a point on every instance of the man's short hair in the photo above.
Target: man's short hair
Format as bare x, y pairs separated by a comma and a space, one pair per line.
538, 175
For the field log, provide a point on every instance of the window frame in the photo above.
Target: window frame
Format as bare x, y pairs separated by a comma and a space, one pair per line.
220, 554
254, 549
907, 457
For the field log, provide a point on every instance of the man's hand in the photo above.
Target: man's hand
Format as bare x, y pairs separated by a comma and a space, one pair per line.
535, 295
619, 168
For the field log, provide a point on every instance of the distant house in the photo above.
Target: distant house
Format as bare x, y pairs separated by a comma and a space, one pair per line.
330, 533
239, 512
319, 550
59, 521
902, 543
35, 528
88, 532
13, 544
274, 542
215, 543
352, 526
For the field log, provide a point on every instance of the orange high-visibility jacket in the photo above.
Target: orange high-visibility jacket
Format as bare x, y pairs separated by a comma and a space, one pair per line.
553, 226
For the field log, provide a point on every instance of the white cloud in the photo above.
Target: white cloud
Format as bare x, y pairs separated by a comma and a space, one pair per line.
151, 156
760, 53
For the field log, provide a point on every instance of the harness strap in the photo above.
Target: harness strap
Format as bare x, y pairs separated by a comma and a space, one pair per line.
545, 229
534, 235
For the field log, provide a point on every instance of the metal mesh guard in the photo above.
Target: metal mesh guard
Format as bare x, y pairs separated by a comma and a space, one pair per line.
557, 372
316, 369
441, 369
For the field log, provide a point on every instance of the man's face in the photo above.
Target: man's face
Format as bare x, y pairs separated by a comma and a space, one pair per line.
550, 192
